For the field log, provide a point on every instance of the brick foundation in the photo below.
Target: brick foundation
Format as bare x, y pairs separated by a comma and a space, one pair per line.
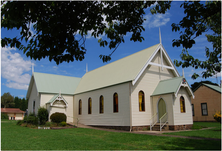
180, 127
140, 128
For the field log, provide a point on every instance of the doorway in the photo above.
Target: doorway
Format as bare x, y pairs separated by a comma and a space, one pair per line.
161, 108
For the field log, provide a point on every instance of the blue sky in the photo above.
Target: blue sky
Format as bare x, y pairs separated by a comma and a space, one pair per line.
16, 68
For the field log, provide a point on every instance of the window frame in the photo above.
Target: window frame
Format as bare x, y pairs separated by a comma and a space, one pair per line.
101, 104
182, 100
80, 107
115, 103
203, 109
192, 105
90, 106
142, 104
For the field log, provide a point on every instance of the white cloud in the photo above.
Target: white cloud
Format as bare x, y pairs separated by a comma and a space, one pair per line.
156, 20
13, 68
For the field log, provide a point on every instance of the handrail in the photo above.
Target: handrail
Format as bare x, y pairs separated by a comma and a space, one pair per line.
152, 124
163, 123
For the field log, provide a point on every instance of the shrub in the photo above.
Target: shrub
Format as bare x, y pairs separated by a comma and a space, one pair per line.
63, 123
25, 119
217, 116
43, 115
4, 116
31, 119
48, 123
58, 117
19, 122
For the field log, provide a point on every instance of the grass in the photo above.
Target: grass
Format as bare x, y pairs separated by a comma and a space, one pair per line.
14, 137
198, 132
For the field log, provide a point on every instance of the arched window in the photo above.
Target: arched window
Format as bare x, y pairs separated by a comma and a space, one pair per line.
115, 102
101, 104
182, 105
141, 101
90, 106
80, 107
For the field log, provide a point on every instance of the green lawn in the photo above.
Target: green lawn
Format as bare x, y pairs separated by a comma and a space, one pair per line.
206, 133
15, 137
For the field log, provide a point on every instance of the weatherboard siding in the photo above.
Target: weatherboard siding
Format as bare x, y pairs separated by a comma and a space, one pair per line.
33, 97
108, 118
147, 83
182, 118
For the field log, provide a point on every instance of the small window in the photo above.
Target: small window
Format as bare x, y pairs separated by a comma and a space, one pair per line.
141, 101
115, 102
80, 107
90, 106
33, 107
193, 109
204, 109
182, 105
101, 104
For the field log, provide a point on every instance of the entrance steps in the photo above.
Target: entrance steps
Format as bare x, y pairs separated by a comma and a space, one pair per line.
156, 127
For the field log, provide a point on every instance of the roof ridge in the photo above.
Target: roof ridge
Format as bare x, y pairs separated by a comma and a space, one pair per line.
56, 75
123, 58
171, 79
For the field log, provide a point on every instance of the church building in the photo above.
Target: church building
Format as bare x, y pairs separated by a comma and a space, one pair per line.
139, 91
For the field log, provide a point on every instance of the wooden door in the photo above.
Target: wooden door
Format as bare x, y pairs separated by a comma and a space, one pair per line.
161, 108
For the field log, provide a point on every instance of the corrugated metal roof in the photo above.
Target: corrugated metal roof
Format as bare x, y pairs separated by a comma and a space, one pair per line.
50, 83
168, 86
120, 71
11, 110
214, 87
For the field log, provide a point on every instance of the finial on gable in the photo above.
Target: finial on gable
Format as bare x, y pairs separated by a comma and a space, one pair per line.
32, 67
160, 36
86, 67
183, 72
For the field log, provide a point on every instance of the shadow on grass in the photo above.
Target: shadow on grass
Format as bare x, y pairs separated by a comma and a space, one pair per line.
191, 144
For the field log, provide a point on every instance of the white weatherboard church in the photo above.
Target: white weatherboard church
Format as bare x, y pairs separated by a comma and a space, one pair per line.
140, 90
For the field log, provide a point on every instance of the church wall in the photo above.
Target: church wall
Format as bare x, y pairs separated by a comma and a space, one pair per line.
33, 97
108, 118
147, 83
182, 118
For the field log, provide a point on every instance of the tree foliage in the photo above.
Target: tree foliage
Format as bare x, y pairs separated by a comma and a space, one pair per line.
199, 19
61, 27
22, 104
43, 115
7, 99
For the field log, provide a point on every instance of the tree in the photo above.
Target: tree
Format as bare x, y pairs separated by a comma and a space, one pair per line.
17, 102
7, 99
24, 104
43, 115
61, 27
199, 19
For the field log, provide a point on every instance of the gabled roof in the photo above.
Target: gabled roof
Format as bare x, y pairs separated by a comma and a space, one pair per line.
11, 110
123, 70
213, 87
171, 86
57, 97
50, 83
